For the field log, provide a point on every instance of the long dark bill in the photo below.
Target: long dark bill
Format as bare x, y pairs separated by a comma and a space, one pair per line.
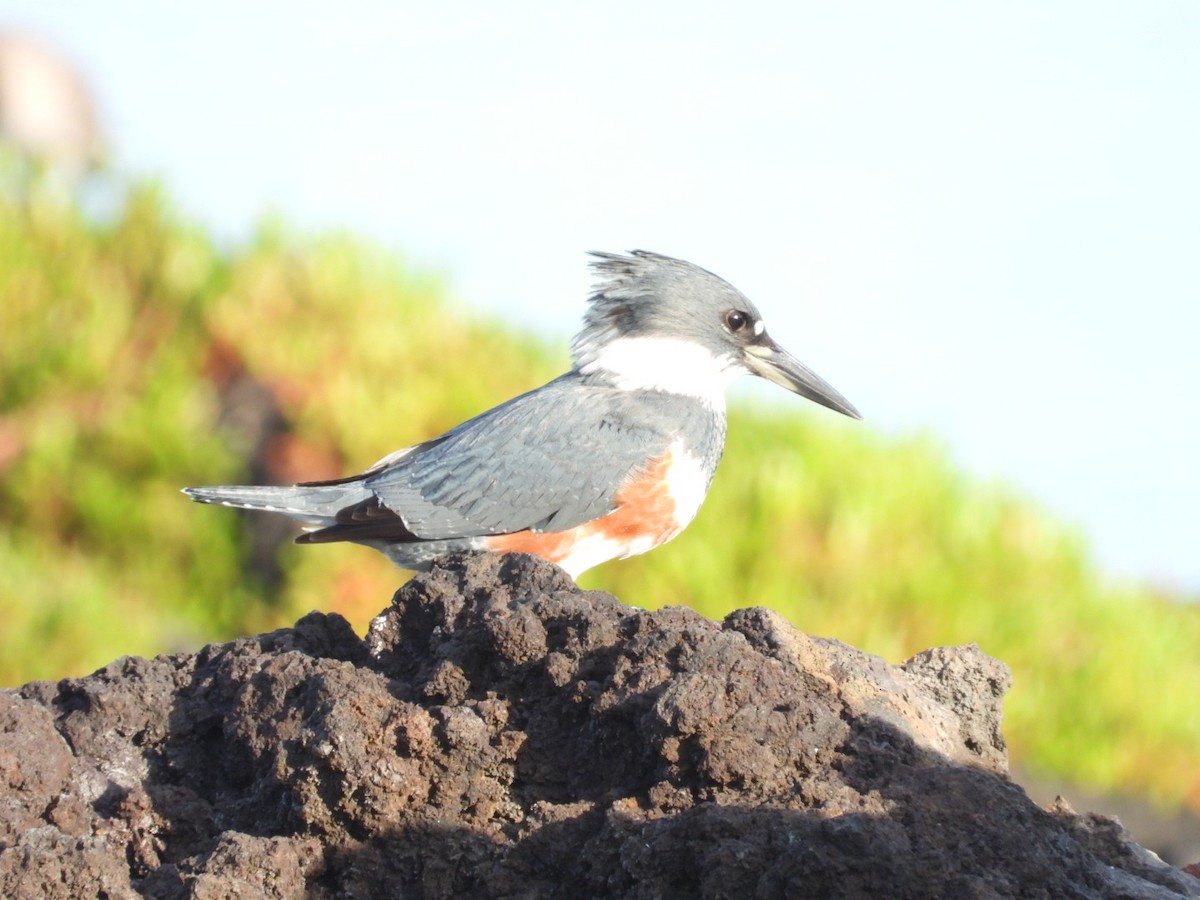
775, 364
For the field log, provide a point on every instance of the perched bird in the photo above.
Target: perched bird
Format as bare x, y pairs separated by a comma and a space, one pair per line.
609, 460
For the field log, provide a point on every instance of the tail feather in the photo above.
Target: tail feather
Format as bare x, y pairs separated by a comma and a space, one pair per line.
311, 505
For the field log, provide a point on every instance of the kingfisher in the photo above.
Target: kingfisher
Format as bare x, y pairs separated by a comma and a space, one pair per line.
610, 460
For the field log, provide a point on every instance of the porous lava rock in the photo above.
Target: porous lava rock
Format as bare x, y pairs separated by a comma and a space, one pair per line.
502, 733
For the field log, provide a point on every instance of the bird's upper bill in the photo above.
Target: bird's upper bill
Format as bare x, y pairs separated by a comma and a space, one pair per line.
775, 364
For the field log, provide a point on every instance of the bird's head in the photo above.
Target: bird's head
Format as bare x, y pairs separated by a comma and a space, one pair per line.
655, 322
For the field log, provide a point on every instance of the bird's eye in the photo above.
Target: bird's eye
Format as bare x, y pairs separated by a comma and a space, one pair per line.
736, 320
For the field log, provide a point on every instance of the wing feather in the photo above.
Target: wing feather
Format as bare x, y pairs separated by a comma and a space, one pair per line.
548, 460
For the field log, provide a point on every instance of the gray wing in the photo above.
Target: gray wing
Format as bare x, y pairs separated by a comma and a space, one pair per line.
548, 460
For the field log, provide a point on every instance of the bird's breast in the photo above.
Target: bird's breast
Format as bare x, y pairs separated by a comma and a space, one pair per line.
654, 505
685, 480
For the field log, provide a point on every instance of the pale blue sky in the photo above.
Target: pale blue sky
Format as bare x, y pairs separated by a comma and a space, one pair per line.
979, 219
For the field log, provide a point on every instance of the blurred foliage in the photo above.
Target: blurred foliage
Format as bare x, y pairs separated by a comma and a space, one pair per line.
136, 358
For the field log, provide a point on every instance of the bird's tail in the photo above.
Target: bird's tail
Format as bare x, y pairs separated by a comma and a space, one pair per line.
311, 504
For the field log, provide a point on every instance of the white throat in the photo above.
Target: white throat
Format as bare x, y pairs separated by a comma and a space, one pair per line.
666, 364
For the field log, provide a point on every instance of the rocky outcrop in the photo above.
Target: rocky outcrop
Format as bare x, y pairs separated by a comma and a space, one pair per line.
501, 733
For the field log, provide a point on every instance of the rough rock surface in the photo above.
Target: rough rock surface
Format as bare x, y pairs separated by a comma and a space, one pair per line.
501, 733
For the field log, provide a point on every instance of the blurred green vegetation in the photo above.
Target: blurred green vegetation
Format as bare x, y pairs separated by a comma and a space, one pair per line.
136, 358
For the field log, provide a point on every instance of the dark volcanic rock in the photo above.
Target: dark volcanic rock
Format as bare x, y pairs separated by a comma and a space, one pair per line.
501, 733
